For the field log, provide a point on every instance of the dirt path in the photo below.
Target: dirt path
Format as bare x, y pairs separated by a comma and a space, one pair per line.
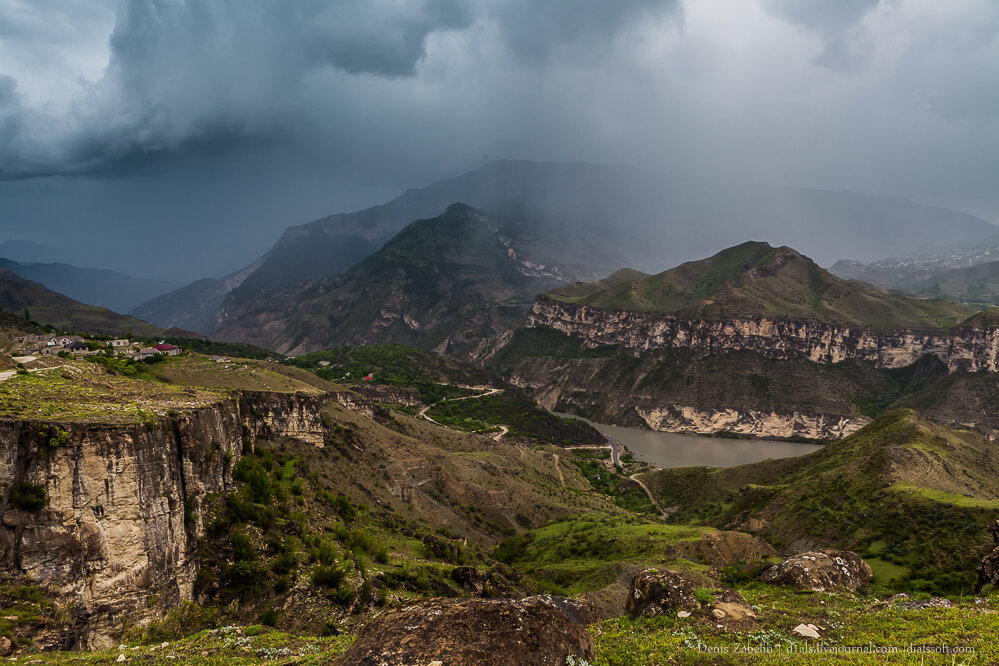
561, 479
664, 514
7, 374
491, 391
611, 444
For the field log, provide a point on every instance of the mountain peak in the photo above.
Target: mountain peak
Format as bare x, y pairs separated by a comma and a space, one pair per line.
755, 279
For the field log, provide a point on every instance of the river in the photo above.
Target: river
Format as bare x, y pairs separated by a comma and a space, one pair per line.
670, 449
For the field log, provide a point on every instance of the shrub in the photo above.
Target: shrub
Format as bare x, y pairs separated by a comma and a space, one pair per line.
284, 563
331, 576
242, 547
28, 496
343, 506
269, 617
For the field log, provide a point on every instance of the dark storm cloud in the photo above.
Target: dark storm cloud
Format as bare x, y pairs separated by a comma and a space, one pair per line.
533, 28
185, 73
229, 120
845, 46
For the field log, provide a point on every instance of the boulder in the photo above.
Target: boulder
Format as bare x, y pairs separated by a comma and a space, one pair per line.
579, 612
469, 578
725, 548
820, 571
471, 631
988, 570
666, 592
661, 591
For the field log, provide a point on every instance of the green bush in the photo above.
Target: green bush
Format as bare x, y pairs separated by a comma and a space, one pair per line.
242, 547
28, 496
344, 507
328, 576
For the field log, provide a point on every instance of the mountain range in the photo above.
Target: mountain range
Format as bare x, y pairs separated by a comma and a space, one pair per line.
592, 218
457, 277
111, 289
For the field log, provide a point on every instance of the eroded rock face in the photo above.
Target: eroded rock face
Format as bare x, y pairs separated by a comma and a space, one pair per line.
969, 348
772, 424
119, 530
471, 631
820, 571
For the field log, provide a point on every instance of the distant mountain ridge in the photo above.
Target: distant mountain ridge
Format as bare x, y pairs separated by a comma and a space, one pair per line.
48, 307
110, 289
194, 307
612, 216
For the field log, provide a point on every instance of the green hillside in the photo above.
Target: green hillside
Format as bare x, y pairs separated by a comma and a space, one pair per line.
906, 493
580, 290
755, 279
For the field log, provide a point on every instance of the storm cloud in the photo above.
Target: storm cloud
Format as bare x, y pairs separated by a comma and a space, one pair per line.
235, 119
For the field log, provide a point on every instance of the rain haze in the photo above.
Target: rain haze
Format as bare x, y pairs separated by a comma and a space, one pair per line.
177, 140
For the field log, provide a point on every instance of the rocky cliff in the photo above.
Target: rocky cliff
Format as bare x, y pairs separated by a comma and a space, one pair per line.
970, 348
750, 422
118, 532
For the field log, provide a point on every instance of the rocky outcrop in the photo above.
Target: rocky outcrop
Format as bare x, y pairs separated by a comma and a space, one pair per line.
970, 348
988, 570
400, 395
666, 592
751, 422
820, 571
655, 592
110, 515
471, 631
725, 548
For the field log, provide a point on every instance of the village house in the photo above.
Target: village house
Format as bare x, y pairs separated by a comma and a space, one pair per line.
144, 352
168, 349
77, 348
120, 343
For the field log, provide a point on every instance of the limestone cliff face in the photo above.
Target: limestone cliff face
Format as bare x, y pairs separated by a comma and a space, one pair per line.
970, 348
119, 532
769, 425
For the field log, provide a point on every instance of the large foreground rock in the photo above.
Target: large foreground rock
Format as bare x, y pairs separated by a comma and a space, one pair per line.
536, 630
664, 591
820, 571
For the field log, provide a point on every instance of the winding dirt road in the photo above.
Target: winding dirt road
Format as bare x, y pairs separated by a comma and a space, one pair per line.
663, 512
491, 391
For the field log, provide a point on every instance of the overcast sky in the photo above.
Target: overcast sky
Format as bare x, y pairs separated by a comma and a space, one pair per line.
203, 128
